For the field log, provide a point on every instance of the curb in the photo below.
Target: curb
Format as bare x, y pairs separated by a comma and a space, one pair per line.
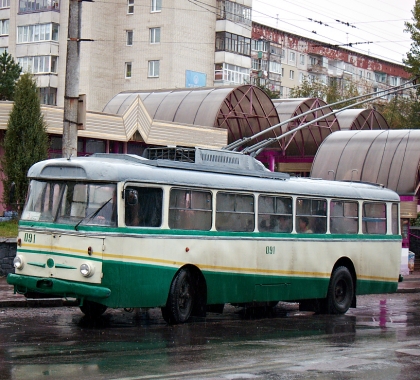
409, 290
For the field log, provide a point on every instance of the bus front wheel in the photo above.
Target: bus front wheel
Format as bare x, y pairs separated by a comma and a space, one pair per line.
340, 291
180, 299
92, 310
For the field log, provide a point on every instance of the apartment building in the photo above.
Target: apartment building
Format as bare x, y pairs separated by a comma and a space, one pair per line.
130, 44
296, 58
156, 44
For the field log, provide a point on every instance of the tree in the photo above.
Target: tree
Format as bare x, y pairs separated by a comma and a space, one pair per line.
401, 112
25, 141
270, 93
9, 74
413, 56
336, 90
309, 89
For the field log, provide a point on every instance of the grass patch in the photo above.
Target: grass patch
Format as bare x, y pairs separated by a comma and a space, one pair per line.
9, 229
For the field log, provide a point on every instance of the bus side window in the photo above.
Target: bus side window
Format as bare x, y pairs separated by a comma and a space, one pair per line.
274, 214
143, 206
395, 220
190, 209
311, 215
235, 212
374, 218
344, 217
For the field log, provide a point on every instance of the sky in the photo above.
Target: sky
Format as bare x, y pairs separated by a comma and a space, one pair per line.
373, 27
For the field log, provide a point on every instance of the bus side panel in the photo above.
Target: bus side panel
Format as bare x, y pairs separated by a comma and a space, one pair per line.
137, 285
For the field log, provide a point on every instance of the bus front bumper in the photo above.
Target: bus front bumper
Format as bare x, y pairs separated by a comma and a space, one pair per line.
63, 288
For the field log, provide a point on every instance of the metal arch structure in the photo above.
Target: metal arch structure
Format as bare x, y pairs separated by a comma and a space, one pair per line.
388, 157
245, 111
242, 111
295, 153
361, 119
305, 142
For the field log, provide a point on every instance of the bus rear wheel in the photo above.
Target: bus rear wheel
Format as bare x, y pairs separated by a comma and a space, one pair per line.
92, 310
180, 299
340, 291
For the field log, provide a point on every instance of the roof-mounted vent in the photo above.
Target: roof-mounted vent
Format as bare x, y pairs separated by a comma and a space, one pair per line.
210, 160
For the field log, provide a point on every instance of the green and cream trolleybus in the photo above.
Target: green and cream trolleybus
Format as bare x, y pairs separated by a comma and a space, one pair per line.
123, 231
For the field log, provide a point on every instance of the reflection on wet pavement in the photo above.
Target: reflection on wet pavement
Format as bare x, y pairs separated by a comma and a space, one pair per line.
378, 340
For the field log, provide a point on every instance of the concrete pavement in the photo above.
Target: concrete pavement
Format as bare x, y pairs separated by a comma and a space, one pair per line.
411, 284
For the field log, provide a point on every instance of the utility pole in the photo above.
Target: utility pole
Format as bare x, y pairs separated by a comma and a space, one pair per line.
71, 91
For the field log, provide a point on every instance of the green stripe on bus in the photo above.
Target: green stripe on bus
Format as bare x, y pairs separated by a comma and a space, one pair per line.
168, 232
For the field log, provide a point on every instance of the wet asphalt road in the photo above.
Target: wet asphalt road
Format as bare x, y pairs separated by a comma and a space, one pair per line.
378, 340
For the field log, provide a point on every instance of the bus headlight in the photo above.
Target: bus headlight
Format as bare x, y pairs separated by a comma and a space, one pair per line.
87, 270
18, 262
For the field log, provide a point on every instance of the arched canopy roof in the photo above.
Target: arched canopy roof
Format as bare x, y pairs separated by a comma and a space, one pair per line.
359, 118
306, 141
243, 110
388, 157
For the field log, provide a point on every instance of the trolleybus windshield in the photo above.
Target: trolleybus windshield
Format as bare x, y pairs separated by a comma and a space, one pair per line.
68, 202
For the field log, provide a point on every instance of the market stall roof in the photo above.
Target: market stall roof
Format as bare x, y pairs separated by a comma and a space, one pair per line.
361, 118
387, 157
306, 141
242, 111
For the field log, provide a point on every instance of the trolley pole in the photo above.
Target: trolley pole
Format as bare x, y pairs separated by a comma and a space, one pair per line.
71, 91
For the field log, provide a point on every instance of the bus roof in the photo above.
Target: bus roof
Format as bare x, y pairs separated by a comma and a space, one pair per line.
247, 175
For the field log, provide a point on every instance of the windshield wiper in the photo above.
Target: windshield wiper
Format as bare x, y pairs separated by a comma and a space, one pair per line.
91, 216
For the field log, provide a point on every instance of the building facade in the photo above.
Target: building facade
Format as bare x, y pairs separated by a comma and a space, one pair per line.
156, 44
282, 61
130, 44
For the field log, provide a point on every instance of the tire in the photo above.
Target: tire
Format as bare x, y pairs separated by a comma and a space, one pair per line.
340, 291
180, 299
92, 310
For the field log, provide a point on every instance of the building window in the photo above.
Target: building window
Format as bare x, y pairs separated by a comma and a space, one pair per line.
302, 59
234, 43
48, 95
259, 45
2, 50
292, 56
314, 61
275, 67
39, 64
292, 74
275, 50
156, 5
4, 27
130, 7
154, 35
360, 74
37, 32
301, 77
380, 77
4, 3
37, 5
368, 76
231, 74
238, 13
393, 81
282, 72
153, 71
128, 67
129, 37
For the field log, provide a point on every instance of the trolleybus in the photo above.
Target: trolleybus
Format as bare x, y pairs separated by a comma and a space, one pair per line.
123, 231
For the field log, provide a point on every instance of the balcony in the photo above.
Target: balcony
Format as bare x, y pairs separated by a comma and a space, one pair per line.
38, 6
